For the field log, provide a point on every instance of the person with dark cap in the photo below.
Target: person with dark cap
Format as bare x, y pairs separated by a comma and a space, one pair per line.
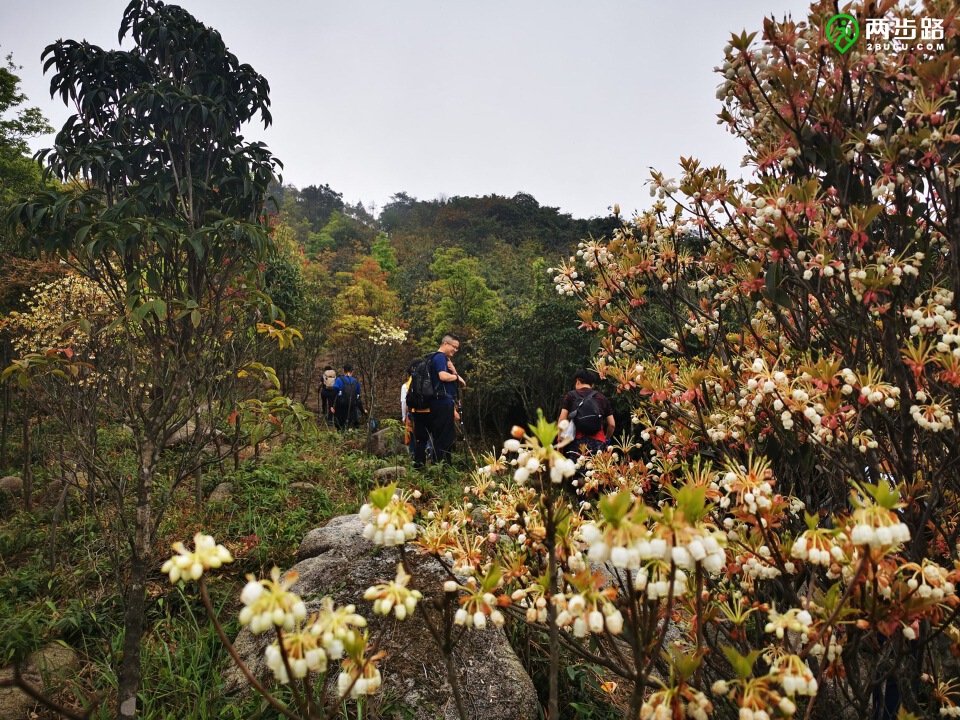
591, 414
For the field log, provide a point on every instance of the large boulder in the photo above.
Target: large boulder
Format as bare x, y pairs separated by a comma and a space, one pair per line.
221, 493
11, 485
46, 670
387, 475
189, 432
384, 443
337, 560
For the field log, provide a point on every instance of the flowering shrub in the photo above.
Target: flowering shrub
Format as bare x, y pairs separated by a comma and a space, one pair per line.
53, 316
789, 346
304, 646
783, 538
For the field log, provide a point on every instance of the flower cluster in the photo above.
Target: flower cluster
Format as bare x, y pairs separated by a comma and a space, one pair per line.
387, 334
588, 608
676, 702
301, 652
190, 565
388, 517
794, 676
269, 603
818, 547
53, 314
394, 595
479, 601
359, 675
533, 457
310, 646
875, 522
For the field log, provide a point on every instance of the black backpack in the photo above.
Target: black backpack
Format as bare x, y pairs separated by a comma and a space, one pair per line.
422, 389
348, 398
586, 416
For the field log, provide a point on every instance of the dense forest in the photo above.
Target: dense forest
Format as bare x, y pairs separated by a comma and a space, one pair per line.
473, 266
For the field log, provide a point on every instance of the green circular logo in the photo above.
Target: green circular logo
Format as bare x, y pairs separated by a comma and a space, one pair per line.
843, 31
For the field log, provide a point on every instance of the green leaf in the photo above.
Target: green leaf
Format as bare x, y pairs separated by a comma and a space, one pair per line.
382, 496
492, 578
742, 664
832, 597
686, 664
772, 290
544, 430
615, 507
153, 279
692, 502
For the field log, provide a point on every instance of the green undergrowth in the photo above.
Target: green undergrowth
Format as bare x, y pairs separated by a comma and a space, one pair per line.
58, 584
67, 592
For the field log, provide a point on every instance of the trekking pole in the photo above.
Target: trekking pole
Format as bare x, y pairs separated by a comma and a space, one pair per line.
463, 431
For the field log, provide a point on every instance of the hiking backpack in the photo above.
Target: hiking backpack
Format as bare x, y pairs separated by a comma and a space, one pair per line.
586, 416
348, 399
422, 389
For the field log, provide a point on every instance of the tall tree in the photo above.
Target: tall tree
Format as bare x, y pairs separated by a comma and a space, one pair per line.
19, 174
461, 300
165, 221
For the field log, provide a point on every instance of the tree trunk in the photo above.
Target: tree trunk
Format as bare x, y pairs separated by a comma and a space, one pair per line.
373, 405
136, 599
198, 484
3, 427
27, 465
133, 619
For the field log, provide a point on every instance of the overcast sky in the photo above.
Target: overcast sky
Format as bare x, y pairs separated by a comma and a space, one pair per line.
568, 100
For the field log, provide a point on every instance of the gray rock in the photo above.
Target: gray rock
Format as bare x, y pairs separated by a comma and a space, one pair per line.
47, 669
341, 537
11, 485
221, 493
184, 434
384, 443
54, 663
189, 433
389, 474
14, 703
336, 560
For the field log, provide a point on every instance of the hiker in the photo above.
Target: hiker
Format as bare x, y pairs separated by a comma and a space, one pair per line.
328, 394
406, 413
348, 405
443, 406
591, 414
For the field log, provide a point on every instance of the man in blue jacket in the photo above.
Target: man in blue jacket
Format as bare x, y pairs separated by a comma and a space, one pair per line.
446, 383
347, 406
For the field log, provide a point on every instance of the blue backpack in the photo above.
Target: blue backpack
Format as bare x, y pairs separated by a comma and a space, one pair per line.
348, 399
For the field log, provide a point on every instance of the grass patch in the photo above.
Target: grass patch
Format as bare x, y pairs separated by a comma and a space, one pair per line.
75, 599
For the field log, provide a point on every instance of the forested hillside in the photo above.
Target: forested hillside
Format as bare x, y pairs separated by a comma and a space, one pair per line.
473, 266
